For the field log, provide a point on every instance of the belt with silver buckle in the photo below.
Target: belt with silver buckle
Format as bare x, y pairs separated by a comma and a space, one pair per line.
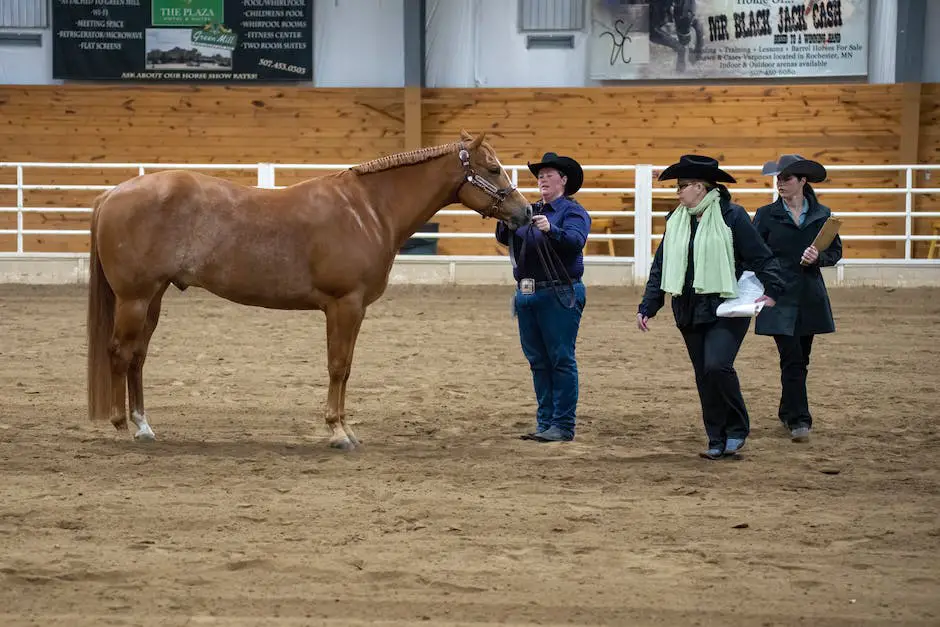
528, 286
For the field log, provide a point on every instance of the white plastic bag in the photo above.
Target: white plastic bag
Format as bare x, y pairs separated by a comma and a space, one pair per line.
743, 305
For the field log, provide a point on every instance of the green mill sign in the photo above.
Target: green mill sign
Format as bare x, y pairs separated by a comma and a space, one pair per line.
214, 36
205, 17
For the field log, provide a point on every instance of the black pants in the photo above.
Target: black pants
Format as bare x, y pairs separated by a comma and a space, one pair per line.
794, 360
712, 348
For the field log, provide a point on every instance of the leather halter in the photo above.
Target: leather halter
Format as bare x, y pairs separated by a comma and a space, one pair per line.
498, 195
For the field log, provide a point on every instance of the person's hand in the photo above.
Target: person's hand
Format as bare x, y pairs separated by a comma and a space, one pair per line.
541, 223
642, 322
810, 255
767, 300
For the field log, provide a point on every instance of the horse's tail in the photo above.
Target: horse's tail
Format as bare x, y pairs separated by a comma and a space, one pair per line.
100, 326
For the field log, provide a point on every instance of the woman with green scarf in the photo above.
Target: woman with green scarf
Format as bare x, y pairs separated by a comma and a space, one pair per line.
709, 241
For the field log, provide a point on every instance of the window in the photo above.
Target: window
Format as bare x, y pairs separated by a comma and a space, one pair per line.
24, 13
551, 15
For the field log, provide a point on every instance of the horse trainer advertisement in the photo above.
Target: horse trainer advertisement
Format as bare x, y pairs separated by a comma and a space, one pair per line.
703, 39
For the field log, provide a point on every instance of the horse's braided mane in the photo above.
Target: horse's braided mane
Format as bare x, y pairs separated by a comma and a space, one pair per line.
404, 158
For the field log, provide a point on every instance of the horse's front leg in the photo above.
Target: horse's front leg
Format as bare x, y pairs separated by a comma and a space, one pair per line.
343, 320
342, 413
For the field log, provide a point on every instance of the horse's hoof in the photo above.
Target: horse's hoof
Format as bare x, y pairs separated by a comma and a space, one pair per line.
344, 445
145, 435
121, 425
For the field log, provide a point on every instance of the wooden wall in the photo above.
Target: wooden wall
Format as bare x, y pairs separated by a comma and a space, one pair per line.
928, 151
836, 124
178, 125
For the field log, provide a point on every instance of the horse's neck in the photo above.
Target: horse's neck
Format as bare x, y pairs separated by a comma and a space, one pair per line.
409, 196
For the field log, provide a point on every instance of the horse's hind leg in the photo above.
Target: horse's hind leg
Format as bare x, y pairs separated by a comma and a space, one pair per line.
343, 320
135, 382
130, 317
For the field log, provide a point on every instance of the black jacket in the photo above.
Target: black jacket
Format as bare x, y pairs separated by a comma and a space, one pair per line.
750, 253
805, 308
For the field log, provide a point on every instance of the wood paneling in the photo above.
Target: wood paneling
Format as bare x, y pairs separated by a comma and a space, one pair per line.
928, 149
739, 125
929, 144
184, 124
836, 124
212, 124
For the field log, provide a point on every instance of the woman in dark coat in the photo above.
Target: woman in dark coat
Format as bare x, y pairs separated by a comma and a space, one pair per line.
789, 227
708, 243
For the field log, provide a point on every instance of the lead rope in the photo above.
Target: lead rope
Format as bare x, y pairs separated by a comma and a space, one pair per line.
548, 259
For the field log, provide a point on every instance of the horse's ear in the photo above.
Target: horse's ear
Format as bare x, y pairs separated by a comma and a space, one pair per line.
464, 135
477, 142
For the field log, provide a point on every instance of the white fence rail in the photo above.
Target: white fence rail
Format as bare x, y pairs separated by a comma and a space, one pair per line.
642, 191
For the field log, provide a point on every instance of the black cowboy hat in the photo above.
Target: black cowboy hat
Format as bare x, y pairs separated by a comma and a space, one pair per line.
697, 167
566, 165
797, 166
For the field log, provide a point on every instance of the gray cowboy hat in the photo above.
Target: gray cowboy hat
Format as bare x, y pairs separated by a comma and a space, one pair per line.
566, 165
697, 167
797, 166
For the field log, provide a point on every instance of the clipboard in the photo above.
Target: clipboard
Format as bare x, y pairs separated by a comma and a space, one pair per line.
826, 234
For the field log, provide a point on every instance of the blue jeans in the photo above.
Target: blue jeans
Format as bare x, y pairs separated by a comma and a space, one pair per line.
548, 332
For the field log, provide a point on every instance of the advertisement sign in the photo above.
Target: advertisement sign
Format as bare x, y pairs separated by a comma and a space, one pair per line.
183, 40
703, 39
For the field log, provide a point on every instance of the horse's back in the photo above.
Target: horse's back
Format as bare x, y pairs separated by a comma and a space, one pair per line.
246, 244
172, 184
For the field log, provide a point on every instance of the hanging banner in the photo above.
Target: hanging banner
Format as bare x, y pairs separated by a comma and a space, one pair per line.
183, 40
703, 39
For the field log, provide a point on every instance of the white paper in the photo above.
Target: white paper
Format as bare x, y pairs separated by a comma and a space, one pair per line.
743, 305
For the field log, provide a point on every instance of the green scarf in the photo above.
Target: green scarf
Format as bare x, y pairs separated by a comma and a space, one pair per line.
713, 250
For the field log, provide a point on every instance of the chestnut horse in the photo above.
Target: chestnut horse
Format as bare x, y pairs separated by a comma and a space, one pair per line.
327, 243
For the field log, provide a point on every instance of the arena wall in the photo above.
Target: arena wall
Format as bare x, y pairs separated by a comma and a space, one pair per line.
848, 124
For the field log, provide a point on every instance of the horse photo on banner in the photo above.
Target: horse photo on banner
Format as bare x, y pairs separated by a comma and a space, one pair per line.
703, 39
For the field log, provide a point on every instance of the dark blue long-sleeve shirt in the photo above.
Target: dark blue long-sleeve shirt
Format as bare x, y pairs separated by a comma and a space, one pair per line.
570, 225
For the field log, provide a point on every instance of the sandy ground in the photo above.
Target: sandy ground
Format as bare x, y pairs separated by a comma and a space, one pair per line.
240, 514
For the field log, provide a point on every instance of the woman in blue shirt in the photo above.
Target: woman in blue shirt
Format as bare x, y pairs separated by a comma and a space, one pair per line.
548, 264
